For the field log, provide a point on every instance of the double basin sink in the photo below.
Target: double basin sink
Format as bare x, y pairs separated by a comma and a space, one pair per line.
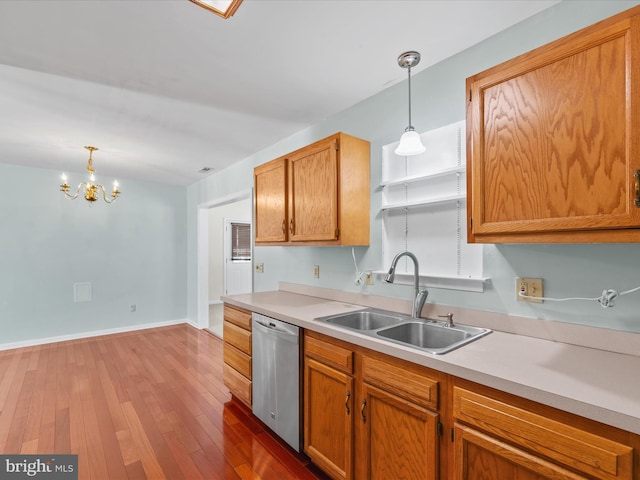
427, 335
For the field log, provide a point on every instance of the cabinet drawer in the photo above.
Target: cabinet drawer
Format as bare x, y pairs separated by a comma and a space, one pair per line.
238, 360
238, 337
405, 383
238, 384
595, 456
329, 354
241, 318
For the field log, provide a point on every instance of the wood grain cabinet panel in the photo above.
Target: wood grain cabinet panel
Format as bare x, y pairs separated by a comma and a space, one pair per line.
552, 144
515, 438
409, 384
237, 316
237, 370
328, 419
329, 354
375, 423
238, 337
270, 189
401, 438
317, 195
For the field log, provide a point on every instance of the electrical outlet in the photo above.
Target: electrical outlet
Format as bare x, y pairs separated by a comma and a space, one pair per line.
260, 267
368, 277
530, 287
316, 271
132, 308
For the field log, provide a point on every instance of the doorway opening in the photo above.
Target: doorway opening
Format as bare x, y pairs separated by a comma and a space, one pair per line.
213, 278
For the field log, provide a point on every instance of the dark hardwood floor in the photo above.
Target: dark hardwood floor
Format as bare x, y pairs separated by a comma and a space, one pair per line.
142, 405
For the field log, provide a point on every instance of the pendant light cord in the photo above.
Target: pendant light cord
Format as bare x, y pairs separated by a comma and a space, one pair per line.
410, 127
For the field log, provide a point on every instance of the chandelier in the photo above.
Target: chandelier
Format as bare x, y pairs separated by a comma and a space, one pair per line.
90, 189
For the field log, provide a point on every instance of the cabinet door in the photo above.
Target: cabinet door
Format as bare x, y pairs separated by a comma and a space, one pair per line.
482, 457
401, 439
313, 192
328, 419
270, 185
552, 140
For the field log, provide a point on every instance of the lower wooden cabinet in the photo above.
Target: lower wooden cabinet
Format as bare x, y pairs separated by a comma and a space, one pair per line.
400, 437
368, 416
328, 406
497, 440
328, 413
236, 370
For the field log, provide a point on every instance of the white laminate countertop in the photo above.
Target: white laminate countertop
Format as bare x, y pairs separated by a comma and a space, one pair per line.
597, 384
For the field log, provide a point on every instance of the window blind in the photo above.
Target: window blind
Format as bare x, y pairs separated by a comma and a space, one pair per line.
240, 241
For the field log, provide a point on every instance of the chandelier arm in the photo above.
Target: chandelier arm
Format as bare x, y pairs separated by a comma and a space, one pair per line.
73, 197
104, 194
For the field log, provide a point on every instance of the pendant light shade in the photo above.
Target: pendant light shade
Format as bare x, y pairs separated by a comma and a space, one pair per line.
410, 143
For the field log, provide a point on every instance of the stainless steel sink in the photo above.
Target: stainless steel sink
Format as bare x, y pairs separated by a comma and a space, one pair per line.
435, 337
365, 319
427, 335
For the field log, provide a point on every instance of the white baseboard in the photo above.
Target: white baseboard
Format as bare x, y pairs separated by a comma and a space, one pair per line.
94, 333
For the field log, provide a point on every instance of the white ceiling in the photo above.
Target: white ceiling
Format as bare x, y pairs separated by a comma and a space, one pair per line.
165, 88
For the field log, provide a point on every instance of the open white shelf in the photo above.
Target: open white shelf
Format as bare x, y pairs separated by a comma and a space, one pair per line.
423, 210
431, 201
417, 178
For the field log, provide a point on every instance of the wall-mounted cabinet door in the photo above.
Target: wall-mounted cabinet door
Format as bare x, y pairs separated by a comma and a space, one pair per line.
270, 184
553, 148
317, 195
313, 192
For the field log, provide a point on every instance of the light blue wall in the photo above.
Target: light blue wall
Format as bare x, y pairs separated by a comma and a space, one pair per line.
439, 99
133, 252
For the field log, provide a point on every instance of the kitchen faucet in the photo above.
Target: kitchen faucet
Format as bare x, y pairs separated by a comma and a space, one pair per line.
420, 295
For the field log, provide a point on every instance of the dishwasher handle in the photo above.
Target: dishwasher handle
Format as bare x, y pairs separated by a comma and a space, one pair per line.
267, 325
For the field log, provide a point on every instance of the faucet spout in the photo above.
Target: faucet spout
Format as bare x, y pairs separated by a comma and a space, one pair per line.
420, 295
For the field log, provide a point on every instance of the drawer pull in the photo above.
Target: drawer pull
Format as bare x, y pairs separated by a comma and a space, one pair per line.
637, 188
346, 402
364, 404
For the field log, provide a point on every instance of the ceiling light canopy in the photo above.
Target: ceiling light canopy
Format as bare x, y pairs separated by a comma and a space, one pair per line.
90, 190
410, 143
224, 8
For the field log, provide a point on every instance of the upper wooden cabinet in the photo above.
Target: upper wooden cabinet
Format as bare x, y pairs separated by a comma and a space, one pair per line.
553, 144
318, 195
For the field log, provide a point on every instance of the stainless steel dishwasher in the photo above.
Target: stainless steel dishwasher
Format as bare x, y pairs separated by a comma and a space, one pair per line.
276, 377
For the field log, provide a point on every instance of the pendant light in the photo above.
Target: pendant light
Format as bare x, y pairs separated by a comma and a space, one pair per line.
410, 143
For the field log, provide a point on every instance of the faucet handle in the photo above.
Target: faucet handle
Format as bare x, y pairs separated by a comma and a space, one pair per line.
449, 317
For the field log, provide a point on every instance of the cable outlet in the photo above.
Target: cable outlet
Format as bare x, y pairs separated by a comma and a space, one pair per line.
368, 277
529, 287
316, 271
